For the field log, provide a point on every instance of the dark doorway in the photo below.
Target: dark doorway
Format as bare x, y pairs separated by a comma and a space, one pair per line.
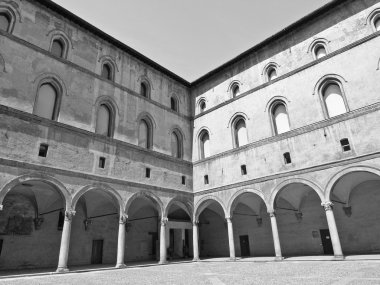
244, 246
326, 242
97, 251
154, 244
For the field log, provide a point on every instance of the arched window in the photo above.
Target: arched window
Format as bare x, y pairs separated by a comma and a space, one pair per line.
377, 23
333, 99
176, 144
103, 121
145, 134
202, 106
280, 118
144, 90
235, 90
58, 48
240, 132
46, 102
204, 146
107, 71
272, 73
5, 22
174, 104
320, 51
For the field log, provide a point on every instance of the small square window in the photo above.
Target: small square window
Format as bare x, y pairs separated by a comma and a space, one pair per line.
345, 143
102, 162
42, 152
183, 180
243, 169
206, 179
287, 158
147, 172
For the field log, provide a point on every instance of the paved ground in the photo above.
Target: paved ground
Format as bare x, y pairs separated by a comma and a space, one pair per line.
219, 273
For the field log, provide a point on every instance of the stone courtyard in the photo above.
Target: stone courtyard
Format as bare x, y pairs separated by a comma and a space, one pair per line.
222, 272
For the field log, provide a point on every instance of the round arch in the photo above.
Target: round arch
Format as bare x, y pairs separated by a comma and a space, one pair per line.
280, 186
241, 192
334, 178
113, 193
65, 194
202, 204
185, 203
147, 195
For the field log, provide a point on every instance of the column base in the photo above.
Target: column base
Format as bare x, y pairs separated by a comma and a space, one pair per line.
196, 259
338, 257
278, 258
232, 259
62, 270
122, 265
163, 262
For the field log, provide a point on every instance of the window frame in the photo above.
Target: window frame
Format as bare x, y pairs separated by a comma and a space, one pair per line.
174, 102
111, 122
11, 15
322, 87
372, 18
235, 121
179, 136
109, 65
149, 125
58, 89
201, 153
271, 110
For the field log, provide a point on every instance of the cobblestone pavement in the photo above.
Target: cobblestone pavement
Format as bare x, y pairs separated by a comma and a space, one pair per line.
219, 273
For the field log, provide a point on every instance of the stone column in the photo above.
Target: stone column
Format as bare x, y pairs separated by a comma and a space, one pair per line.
65, 242
231, 239
121, 242
276, 237
333, 230
164, 222
195, 241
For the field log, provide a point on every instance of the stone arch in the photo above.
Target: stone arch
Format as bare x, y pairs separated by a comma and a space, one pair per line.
267, 68
202, 204
62, 190
57, 34
372, 17
279, 187
334, 178
187, 206
113, 108
273, 100
328, 77
235, 116
113, 193
13, 11
176, 127
143, 115
241, 192
148, 195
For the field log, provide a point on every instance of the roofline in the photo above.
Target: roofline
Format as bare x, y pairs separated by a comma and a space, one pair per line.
79, 21
325, 8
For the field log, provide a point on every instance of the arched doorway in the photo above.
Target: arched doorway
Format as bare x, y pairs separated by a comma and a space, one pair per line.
94, 230
179, 230
31, 225
301, 220
213, 232
356, 200
143, 228
252, 226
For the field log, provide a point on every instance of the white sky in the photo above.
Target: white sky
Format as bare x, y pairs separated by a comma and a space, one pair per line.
191, 37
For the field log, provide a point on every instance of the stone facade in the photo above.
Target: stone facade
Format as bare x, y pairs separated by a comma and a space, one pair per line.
245, 161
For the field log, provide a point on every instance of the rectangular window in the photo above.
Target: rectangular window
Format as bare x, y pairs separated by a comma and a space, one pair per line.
183, 180
345, 145
147, 172
206, 179
287, 158
243, 169
102, 162
42, 152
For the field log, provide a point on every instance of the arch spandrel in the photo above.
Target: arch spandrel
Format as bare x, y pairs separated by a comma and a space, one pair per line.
145, 195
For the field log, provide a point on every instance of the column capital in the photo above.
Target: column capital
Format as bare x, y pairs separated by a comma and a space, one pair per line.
69, 215
229, 218
164, 221
1, 207
195, 223
272, 214
327, 205
123, 219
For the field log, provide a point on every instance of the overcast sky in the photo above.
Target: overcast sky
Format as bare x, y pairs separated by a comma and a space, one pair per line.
191, 37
